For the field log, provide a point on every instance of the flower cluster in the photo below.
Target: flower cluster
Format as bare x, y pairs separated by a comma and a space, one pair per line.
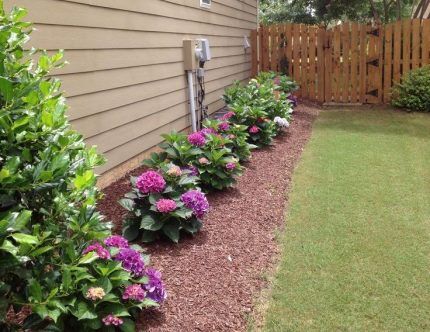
208, 131
227, 116
112, 320
193, 170
230, 166
197, 139
134, 292
254, 129
174, 171
166, 205
224, 126
102, 252
116, 241
293, 99
150, 182
281, 122
203, 161
155, 287
131, 261
196, 201
95, 293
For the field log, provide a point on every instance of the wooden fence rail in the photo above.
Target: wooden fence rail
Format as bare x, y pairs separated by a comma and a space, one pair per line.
350, 63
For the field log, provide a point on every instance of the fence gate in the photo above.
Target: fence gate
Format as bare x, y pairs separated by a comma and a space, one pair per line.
350, 63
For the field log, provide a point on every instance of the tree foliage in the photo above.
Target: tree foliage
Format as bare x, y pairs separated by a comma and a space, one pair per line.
328, 12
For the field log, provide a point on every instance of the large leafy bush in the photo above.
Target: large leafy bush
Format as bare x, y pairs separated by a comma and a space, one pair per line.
413, 93
262, 105
57, 259
207, 153
158, 202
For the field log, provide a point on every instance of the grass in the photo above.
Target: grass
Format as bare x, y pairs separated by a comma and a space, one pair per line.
356, 249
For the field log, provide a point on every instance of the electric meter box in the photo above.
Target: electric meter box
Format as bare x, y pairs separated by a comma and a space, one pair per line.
191, 61
205, 50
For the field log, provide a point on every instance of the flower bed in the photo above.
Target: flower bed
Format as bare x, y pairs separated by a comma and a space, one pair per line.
160, 203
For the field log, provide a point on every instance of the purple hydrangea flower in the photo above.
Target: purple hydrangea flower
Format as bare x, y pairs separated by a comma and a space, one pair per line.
197, 139
131, 261
254, 129
134, 292
166, 205
112, 320
150, 182
102, 252
293, 99
155, 287
224, 126
196, 201
230, 166
208, 131
194, 171
116, 241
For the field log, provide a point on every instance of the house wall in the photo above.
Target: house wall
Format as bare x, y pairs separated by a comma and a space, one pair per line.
126, 82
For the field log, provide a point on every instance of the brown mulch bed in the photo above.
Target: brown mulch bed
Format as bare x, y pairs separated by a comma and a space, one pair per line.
213, 278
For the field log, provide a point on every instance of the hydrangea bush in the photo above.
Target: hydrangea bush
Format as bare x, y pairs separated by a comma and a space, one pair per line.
236, 134
160, 202
59, 265
207, 153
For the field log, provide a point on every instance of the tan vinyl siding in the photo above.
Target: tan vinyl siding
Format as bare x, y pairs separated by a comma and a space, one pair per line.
126, 83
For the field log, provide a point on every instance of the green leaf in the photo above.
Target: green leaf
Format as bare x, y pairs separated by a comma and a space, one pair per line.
82, 181
35, 291
47, 119
171, 230
128, 325
83, 311
131, 232
41, 251
88, 258
6, 88
150, 223
25, 238
127, 204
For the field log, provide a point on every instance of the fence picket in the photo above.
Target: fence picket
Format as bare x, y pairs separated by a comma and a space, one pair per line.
289, 48
296, 56
345, 62
426, 43
397, 54
320, 64
304, 59
388, 62
406, 63
312, 70
354, 62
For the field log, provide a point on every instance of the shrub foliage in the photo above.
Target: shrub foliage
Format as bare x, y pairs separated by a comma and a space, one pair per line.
58, 262
413, 93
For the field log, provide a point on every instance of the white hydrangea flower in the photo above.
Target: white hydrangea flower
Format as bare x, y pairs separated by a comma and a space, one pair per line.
281, 122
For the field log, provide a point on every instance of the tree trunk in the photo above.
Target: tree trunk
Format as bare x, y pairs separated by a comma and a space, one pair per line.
375, 12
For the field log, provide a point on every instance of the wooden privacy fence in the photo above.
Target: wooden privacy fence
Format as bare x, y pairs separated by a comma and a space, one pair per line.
350, 63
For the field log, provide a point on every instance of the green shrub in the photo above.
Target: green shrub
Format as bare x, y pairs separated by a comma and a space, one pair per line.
156, 202
261, 106
413, 93
207, 154
54, 262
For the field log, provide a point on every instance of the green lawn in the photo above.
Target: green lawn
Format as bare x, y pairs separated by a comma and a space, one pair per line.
356, 249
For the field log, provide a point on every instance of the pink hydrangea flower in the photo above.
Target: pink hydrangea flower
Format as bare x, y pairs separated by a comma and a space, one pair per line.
112, 320
208, 131
116, 241
102, 252
174, 171
196, 201
166, 205
224, 126
150, 182
134, 292
197, 139
95, 293
254, 129
231, 136
227, 116
230, 166
203, 161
